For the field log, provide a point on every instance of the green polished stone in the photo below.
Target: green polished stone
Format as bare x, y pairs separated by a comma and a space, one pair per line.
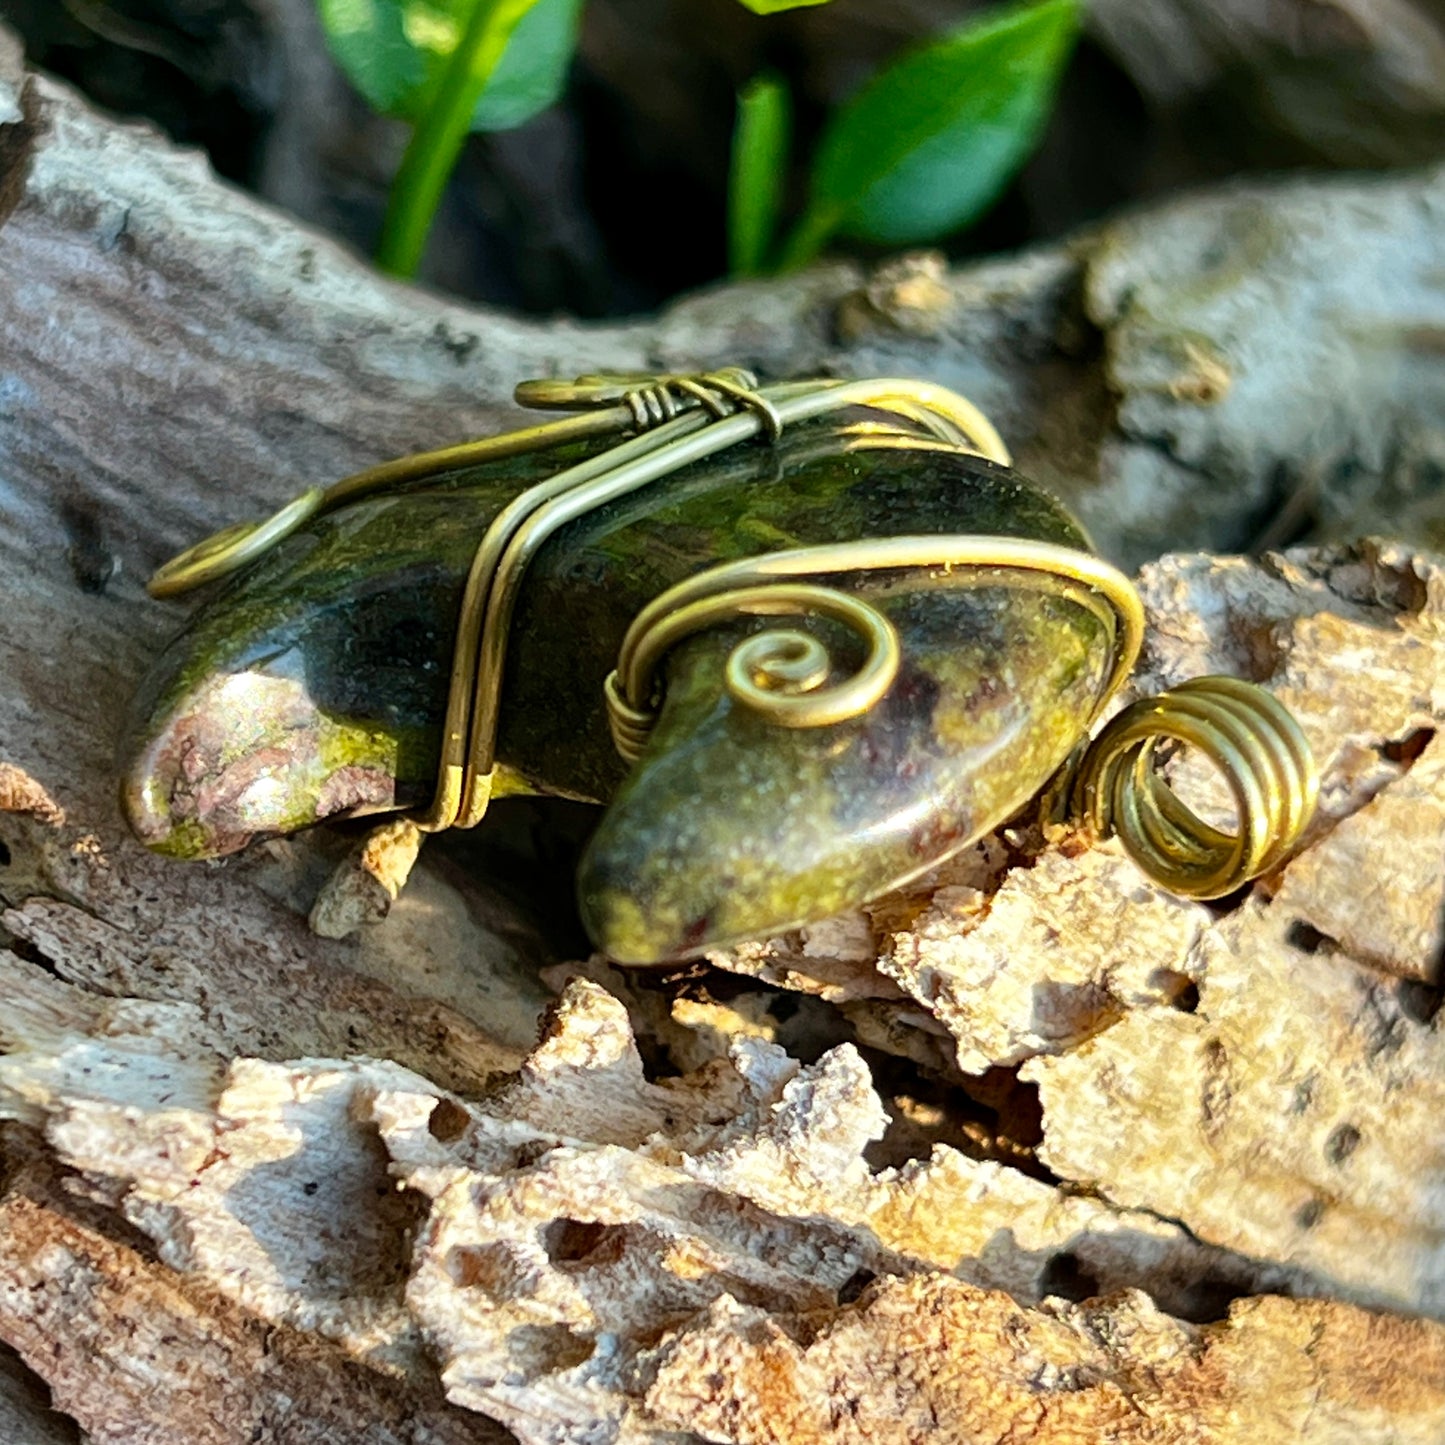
731, 827
314, 685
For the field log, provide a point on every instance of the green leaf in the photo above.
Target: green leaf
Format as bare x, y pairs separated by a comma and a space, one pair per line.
368, 40
928, 145
395, 52
761, 137
772, 7
441, 131
533, 68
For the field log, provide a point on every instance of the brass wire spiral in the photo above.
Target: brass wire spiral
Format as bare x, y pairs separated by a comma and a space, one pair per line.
781, 674
786, 674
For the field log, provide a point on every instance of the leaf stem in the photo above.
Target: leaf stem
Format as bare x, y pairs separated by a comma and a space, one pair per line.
812, 232
437, 140
758, 172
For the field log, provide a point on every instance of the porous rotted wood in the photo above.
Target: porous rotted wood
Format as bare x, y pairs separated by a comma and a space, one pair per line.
140, 1356
932, 1359
1383, 906
341, 1170
266, 1178
590, 1255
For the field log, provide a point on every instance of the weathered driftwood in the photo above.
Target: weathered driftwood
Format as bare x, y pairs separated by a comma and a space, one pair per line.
1353, 82
257, 1180
1180, 374
588, 1255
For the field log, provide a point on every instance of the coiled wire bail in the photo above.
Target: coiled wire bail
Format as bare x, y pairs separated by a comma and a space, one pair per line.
1113, 785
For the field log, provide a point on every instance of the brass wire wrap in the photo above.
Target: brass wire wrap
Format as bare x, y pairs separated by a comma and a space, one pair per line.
523, 527
765, 586
667, 422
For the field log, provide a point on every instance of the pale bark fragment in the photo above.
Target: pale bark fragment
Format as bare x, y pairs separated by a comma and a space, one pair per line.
1391, 916
140, 1356
366, 883
929, 1358
20, 793
1062, 950
1293, 1116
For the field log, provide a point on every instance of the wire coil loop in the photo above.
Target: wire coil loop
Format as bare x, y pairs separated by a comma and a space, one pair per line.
1254, 743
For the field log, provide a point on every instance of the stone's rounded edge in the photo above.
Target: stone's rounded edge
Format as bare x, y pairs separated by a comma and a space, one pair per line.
730, 828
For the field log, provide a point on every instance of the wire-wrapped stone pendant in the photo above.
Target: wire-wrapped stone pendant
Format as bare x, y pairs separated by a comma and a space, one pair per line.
805, 642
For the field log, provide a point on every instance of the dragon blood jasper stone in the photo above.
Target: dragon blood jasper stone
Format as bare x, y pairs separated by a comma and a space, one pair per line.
313, 685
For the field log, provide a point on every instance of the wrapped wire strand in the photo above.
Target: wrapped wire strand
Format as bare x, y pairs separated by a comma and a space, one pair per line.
601, 406
526, 524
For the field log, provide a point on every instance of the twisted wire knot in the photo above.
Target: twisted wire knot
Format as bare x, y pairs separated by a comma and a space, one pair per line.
653, 400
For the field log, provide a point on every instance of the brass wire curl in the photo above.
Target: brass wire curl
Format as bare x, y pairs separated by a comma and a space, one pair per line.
667, 422
781, 674
766, 585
